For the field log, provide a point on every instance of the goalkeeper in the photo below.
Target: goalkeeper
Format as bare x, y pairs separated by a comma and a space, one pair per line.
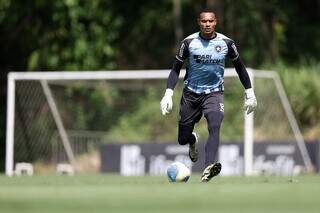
203, 88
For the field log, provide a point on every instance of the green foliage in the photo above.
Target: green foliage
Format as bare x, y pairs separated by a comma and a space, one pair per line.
146, 123
90, 108
90, 35
146, 38
303, 89
81, 36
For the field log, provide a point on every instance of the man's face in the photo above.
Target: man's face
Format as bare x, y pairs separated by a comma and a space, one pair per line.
207, 22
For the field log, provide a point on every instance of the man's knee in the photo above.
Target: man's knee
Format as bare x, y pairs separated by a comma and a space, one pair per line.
185, 134
183, 139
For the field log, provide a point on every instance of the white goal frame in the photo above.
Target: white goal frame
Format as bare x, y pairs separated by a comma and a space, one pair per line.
43, 77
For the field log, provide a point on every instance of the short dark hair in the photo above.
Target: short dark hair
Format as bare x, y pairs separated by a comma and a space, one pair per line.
206, 10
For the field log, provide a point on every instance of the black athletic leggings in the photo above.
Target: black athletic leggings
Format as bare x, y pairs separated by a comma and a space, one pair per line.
214, 120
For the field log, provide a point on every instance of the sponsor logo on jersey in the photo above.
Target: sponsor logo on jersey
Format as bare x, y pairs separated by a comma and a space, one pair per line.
205, 59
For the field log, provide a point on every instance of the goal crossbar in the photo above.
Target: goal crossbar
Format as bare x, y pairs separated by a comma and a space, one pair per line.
100, 75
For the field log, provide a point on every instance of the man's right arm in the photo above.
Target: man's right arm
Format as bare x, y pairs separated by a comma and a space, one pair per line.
182, 54
166, 102
174, 74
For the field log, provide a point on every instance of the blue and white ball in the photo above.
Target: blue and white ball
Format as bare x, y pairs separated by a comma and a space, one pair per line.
178, 172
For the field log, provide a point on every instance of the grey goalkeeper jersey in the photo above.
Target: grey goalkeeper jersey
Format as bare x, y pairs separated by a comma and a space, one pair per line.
206, 61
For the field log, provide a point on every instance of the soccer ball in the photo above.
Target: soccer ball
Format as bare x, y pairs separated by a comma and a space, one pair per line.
178, 172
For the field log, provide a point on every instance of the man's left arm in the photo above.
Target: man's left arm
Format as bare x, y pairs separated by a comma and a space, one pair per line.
250, 98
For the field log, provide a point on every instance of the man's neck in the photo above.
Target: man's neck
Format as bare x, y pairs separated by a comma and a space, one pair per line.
208, 36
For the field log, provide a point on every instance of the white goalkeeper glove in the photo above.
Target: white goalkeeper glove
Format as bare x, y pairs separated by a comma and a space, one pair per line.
166, 102
250, 101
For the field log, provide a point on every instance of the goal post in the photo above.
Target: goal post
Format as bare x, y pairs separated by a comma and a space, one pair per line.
45, 77
289, 113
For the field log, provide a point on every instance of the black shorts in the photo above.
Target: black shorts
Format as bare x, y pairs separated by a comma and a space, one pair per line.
193, 105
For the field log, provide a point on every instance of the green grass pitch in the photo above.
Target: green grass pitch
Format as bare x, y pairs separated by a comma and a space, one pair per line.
112, 193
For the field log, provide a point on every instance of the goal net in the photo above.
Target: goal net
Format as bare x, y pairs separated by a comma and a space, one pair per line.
58, 119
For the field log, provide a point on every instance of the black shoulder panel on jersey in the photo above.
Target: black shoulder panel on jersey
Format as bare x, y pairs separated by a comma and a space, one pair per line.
183, 52
232, 49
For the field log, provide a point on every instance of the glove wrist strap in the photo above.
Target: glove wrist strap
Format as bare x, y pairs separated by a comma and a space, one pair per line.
169, 92
249, 93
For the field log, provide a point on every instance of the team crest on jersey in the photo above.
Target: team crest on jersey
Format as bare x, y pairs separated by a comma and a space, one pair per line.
218, 48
